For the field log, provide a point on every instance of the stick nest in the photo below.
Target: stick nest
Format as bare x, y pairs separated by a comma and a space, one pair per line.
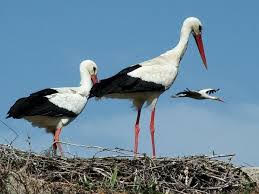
26, 172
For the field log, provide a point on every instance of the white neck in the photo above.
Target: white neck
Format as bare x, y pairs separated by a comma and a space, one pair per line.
177, 52
85, 83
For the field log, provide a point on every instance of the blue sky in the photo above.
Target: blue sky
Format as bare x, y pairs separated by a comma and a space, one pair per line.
43, 42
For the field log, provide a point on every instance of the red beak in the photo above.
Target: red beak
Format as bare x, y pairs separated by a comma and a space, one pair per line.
94, 79
199, 43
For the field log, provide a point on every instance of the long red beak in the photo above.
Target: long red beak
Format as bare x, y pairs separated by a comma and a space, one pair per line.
199, 43
94, 79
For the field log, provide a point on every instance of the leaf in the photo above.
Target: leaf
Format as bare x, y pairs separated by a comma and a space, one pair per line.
114, 177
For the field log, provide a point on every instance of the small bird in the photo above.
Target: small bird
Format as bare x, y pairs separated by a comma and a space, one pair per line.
198, 94
54, 108
146, 81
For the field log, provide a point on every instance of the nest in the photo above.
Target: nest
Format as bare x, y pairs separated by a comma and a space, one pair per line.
26, 172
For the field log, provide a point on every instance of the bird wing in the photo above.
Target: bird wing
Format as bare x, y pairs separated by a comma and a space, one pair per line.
47, 102
186, 92
73, 103
124, 82
181, 94
209, 91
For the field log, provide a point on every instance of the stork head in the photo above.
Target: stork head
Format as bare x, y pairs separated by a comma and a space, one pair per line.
196, 28
91, 68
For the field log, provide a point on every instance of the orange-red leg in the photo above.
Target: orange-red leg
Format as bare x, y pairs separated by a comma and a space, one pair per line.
152, 132
56, 139
137, 129
54, 147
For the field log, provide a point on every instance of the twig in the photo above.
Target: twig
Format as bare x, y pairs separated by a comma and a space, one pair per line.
101, 149
10, 128
221, 156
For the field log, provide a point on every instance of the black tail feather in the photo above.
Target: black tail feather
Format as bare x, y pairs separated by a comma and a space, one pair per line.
17, 109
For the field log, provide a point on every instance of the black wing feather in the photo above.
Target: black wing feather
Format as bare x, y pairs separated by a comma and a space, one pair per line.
186, 92
212, 91
38, 104
189, 93
123, 83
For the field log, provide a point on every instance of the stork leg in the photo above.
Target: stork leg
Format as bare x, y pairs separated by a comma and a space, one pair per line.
56, 139
54, 145
152, 132
137, 129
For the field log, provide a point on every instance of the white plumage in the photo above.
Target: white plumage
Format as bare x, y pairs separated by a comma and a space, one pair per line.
54, 108
158, 72
199, 94
70, 99
146, 81
65, 98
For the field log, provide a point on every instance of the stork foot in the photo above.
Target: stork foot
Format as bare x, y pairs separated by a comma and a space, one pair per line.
58, 146
54, 146
56, 143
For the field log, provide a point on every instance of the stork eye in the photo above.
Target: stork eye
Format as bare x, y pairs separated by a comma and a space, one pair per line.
200, 28
94, 68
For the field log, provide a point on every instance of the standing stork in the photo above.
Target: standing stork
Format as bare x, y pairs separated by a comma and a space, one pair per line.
199, 94
54, 108
146, 81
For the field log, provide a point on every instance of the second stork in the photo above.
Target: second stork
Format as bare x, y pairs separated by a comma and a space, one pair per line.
146, 81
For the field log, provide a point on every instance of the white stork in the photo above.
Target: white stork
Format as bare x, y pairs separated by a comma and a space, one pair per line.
199, 94
54, 108
146, 81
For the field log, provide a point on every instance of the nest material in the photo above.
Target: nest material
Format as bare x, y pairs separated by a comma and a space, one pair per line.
24, 172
